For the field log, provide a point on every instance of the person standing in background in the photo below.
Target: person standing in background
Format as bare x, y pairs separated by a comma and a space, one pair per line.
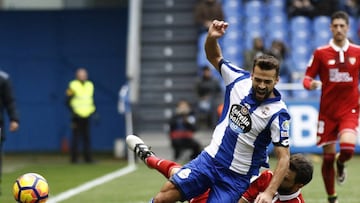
209, 96
7, 104
182, 128
80, 100
251, 54
337, 64
205, 11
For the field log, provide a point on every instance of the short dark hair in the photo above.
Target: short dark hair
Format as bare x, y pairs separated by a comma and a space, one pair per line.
302, 167
267, 62
341, 15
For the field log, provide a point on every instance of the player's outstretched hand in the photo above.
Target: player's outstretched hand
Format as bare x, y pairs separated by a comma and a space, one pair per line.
217, 28
263, 197
315, 84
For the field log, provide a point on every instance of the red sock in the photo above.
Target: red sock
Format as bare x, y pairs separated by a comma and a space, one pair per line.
328, 172
346, 152
162, 165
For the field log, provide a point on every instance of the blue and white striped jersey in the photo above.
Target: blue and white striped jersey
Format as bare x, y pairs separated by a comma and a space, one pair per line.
246, 127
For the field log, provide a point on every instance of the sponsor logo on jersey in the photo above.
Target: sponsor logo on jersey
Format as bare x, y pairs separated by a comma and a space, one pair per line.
285, 125
240, 120
184, 173
336, 76
284, 134
331, 62
285, 142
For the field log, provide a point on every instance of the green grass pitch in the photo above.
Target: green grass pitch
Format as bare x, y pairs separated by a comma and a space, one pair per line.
138, 186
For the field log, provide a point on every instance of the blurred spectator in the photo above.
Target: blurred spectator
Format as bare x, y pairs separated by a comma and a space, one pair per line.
205, 11
300, 8
325, 7
182, 127
7, 104
80, 100
208, 92
278, 50
249, 55
350, 6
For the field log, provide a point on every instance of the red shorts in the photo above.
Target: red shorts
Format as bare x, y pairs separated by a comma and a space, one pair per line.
329, 129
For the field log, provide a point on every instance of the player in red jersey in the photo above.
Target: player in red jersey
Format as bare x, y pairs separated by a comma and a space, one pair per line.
299, 174
337, 65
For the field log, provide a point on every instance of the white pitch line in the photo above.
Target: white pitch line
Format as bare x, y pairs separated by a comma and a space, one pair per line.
88, 185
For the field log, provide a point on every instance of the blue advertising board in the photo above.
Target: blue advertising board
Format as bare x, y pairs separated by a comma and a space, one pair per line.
304, 115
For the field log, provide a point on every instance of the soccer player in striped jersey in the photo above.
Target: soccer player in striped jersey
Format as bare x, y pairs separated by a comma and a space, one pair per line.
337, 65
254, 116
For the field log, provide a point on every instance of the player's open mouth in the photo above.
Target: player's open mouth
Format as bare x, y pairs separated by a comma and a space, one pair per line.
261, 92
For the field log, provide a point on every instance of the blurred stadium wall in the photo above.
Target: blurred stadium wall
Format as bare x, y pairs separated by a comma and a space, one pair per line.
41, 51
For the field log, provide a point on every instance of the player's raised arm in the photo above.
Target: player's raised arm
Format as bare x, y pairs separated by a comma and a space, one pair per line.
212, 48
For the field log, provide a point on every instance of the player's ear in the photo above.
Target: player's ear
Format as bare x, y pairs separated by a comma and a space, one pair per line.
277, 79
299, 185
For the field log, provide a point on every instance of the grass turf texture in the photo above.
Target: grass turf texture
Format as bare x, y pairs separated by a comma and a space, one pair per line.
138, 186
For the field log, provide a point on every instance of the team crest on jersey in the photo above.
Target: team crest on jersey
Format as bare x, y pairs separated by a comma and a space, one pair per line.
265, 111
239, 118
352, 60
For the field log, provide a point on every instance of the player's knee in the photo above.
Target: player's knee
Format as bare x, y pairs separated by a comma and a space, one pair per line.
346, 152
328, 159
168, 193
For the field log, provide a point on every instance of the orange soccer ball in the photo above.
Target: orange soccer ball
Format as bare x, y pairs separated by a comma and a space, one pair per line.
31, 188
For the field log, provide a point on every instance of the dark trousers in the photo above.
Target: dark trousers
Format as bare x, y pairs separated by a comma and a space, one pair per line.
181, 144
81, 135
2, 139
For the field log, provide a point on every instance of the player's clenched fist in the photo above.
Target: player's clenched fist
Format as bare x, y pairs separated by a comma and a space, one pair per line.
217, 28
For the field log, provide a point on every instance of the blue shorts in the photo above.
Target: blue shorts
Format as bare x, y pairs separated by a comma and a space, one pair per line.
205, 172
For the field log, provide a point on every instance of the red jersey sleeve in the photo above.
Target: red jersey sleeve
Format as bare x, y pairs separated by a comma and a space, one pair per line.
312, 69
257, 186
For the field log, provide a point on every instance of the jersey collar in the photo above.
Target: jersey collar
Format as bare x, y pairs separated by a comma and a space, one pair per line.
337, 48
340, 49
288, 197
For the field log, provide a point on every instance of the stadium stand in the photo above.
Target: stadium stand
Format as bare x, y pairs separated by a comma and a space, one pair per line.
247, 18
168, 61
